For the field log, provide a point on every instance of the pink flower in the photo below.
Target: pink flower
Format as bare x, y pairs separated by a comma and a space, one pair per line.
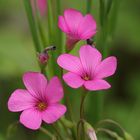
76, 26
88, 70
41, 5
39, 102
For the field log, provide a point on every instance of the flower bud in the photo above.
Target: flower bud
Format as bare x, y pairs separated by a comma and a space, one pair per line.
43, 57
90, 131
128, 136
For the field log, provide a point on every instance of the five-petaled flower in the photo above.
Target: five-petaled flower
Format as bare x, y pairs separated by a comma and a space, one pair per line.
89, 70
76, 26
39, 102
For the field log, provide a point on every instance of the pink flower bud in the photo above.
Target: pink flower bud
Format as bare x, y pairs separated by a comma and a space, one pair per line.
90, 131
43, 57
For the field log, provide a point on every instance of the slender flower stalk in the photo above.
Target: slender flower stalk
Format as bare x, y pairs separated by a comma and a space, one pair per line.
83, 97
102, 12
89, 6
110, 133
57, 132
46, 132
82, 104
32, 25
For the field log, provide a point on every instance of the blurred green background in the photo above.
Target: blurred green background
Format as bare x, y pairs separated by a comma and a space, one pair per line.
17, 55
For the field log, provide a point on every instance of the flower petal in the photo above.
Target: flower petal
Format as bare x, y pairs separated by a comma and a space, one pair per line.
20, 100
36, 83
53, 113
96, 85
73, 18
62, 24
73, 80
87, 27
54, 90
70, 63
31, 118
106, 68
90, 58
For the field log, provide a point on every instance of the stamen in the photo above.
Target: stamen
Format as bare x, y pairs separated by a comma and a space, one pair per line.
41, 106
86, 78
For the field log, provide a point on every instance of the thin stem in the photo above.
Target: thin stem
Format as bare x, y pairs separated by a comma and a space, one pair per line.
32, 25
65, 128
110, 133
59, 33
82, 104
111, 122
89, 6
46, 132
109, 5
66, 99
39, 25
81, 116
57, 132
102, 12
50, 22
99, 101
78, 129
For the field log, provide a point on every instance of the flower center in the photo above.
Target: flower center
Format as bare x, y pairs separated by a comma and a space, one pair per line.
86, 78
42, 106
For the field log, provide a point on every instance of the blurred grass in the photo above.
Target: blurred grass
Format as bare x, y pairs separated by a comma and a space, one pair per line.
17, 55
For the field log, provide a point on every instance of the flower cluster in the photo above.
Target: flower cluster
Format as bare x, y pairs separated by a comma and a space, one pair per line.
40, 101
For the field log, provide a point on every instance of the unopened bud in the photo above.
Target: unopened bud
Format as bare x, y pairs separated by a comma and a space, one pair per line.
90, 131
43, 57
128, 136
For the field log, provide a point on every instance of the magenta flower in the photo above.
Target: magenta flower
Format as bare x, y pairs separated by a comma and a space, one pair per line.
39, 102
76, 26
88, 70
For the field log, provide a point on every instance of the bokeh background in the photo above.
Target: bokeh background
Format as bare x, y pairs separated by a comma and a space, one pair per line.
17, 55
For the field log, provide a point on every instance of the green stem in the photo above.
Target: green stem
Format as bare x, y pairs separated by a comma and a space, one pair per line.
57, 131
110, 133
99, 101
46, 132
82, 104
78, 129
50, 22
66, 129
109, 5
81, 129
59, 33
32, 25
102, 12
89, 6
